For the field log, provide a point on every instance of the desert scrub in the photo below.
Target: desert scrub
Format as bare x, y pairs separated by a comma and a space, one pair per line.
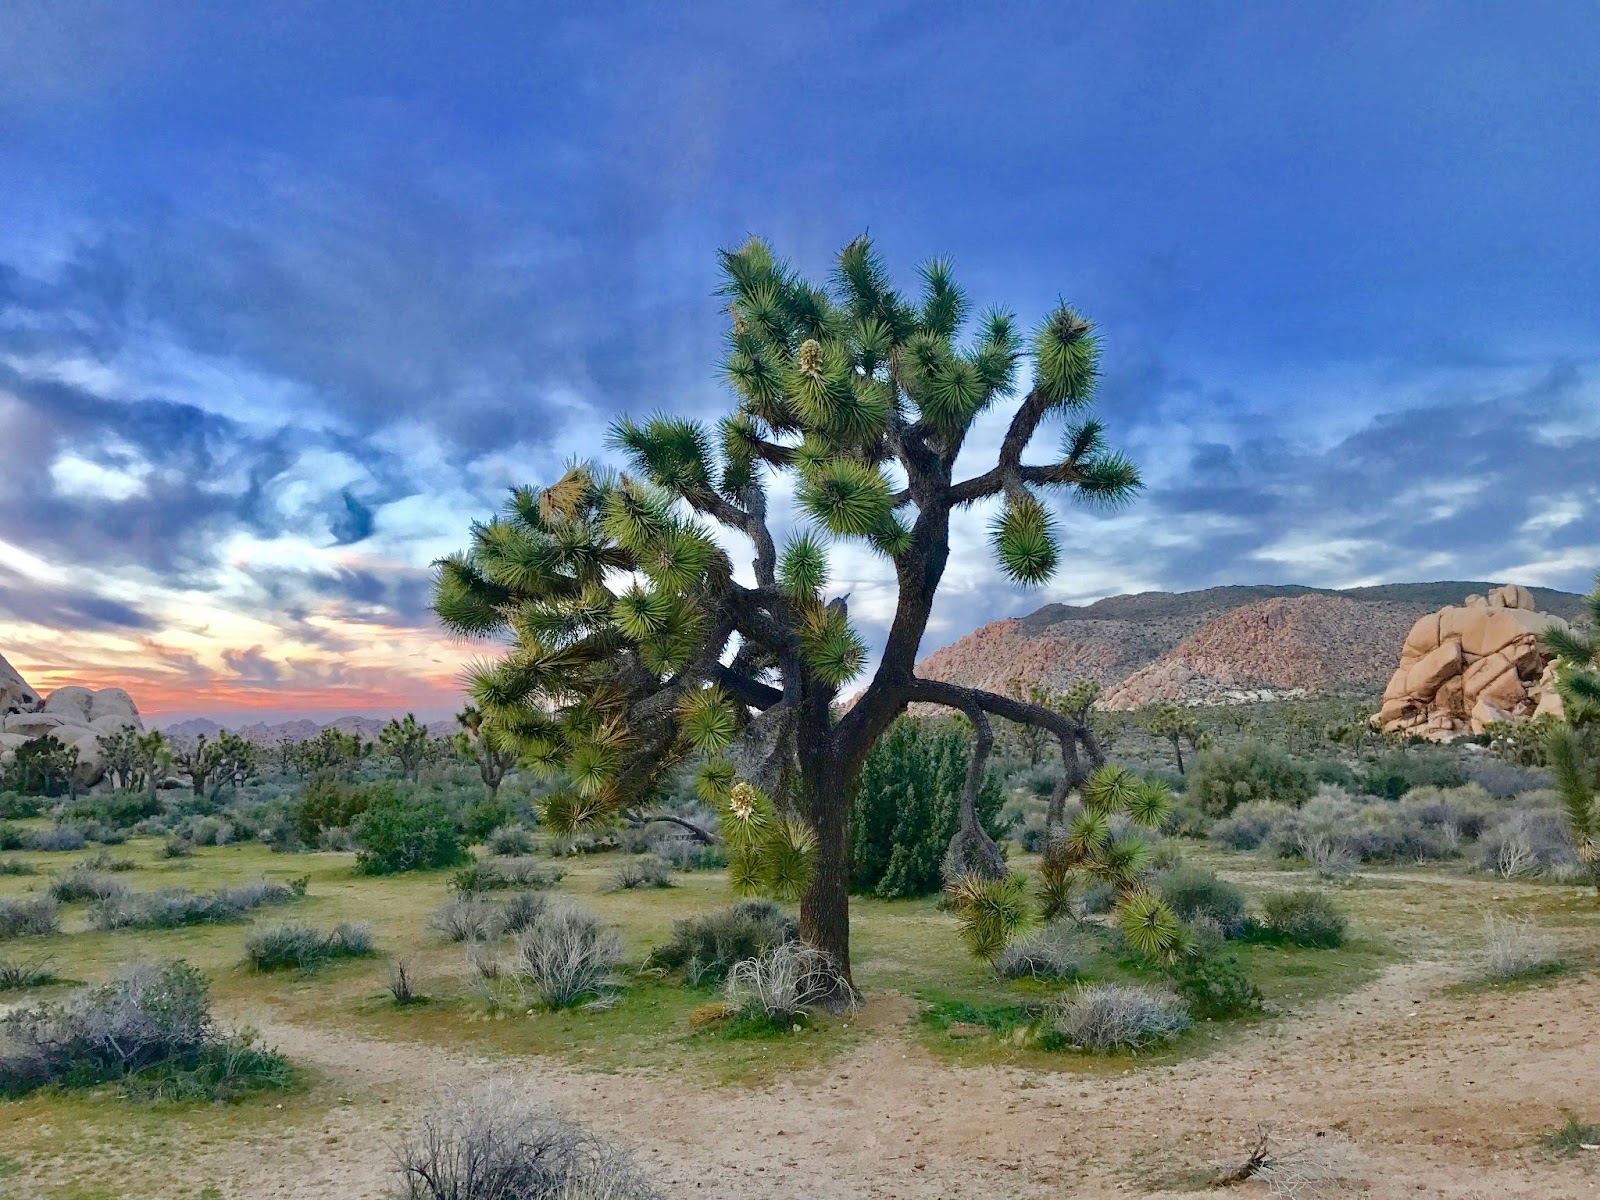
1195, 895
1213, 984
1112, 1016
641, 871
566, 957
509, 841
401, 833
467, 917
493, 1144
17, 866
495, 874
1304, 917
57, 839
706, 947
1224, 779
305, 947
171, 908
784, 984
1572, 1138
36, 917
1516, 949
1056, 951
15, 975
82, 884
150, 1029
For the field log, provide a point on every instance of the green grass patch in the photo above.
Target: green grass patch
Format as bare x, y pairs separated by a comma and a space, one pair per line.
1575, 1137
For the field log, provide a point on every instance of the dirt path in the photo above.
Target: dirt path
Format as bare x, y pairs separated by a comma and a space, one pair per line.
1441, 1094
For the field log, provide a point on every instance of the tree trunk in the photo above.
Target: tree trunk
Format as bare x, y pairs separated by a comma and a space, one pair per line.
1177, 749
825, 906
972, 851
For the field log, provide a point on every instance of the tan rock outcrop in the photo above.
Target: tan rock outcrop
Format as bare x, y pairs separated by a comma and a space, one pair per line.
1469, 665
74, 716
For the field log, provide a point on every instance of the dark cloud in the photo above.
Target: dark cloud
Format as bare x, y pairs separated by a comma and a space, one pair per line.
354, 524
252, 666
29, 601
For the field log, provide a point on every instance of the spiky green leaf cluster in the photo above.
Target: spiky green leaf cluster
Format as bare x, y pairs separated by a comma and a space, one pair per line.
769, 853
1573, 749
989, 912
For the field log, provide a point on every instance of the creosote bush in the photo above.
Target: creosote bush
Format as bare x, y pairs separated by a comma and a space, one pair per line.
509, 841
401, 833
784, 984
1213, 984
641, 871
567, 957
173, 907
36, 917
1113, 1016
1222, 780
305, 947
467, 917
706, 947
492, 1144
151, 1029
81, 884
1304, 917
1055, 951
1196, 894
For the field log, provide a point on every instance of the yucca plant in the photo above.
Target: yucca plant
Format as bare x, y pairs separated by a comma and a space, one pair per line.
1573, 750
631, 643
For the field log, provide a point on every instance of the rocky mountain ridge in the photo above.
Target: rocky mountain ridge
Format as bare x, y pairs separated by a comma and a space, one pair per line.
268, 733
1218, 645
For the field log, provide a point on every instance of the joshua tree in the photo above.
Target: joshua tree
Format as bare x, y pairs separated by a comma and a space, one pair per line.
1031, 739
407, 742
153, 753
632, 644
201, 761
1573, 752
483, 747
1173, 723
43, 767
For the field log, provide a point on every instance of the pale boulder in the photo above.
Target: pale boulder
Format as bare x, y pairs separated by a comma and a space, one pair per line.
15, 694
75, 704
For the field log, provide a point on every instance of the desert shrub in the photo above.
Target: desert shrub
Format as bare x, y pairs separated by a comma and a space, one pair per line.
706, 947
492, 1144
1096, 898
1575, 1137
686, 854
1304, 917
498, 874
57, 839
171, 908
177, 846
13, 838
104, 860
641, 871
1516, 949
520, 911
1335, 773
1224, 779
509, 841
398, 834
465, 918
82, 884
1031, 834
402, 987
39, 916
151, 1029
17, 806
1055, 951
305, 947
16, 975
1213, 984
484, 816
119, 810
1192, 893
1466, 811
17, 866
566, 956
207, 831
1396, 773
783, 984
1113, 1016
336, 839
1503, 780
908, 805
327, 803
1527, 843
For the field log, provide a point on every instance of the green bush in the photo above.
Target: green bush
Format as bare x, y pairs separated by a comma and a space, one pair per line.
484, 816
118, 810
304, 947
706, 947
15, 806
1393, 775
41, 766
398, 833
1213, 984
1194, 895
327, 803
1305, 918
1224, 779
908, 807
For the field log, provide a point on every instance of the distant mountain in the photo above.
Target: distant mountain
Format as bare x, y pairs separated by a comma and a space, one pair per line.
299, 730
1213, 646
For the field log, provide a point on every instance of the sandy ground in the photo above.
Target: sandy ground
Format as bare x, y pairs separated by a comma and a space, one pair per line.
1435, 1094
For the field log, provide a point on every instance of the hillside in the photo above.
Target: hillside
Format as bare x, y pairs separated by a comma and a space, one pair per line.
1217, 645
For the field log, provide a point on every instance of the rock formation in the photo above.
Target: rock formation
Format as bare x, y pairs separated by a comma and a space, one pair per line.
75, 716
1464, 667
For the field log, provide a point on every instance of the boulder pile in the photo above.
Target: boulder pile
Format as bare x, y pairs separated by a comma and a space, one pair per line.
75, 716
1467, 666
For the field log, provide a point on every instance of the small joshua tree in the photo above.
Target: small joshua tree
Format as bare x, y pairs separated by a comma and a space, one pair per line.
1573, 751
484, 747
408, 743
1176, 726
632, 644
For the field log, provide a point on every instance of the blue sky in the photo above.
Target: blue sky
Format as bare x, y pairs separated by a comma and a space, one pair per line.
290, 292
